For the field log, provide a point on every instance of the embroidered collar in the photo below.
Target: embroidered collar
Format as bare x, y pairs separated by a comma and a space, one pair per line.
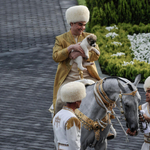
67, 108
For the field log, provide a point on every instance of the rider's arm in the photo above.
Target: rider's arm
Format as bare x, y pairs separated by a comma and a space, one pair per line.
59, 52
73, 133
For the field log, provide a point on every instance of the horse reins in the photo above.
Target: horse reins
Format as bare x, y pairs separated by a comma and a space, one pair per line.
102, 98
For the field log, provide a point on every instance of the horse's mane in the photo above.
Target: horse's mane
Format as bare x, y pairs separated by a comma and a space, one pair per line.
118, 78
89, 85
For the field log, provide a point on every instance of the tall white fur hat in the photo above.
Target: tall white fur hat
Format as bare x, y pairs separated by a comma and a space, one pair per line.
77, 14
147, 84
73, 91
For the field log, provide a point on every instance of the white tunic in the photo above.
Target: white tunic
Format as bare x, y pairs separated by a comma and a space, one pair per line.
146, 146
66, 130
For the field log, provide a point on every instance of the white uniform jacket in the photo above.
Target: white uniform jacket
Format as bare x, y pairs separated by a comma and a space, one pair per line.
146, 110
67, 130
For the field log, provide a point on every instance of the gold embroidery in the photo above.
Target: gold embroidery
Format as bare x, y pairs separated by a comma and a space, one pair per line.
147, 139
80, 73
140, 107
57, 121
89, 124
73, 121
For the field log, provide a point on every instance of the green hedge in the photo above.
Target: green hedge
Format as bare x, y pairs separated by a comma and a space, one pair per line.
107, 12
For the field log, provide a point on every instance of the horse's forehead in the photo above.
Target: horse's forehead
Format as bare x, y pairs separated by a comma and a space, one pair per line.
124, 82
132, 99
129, 83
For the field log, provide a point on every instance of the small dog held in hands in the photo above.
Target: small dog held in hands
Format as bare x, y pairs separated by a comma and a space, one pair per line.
87, 45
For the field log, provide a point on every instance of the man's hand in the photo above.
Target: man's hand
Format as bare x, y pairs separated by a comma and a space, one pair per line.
75, 51
78, 48
146, 117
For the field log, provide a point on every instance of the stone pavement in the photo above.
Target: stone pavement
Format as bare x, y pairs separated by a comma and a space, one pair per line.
27, 71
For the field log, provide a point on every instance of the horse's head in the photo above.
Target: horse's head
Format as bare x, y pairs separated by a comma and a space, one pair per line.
129, 98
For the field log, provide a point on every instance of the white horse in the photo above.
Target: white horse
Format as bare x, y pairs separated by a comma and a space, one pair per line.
97, 104
96, 108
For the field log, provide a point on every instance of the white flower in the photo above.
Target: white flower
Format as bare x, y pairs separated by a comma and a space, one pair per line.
112, 35
116, 43
118, 54
111, 27
140, 45
127, 63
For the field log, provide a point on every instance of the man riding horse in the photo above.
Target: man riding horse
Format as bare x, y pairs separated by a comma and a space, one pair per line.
77, 17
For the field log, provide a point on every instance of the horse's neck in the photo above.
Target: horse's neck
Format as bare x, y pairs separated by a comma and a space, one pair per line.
90, 107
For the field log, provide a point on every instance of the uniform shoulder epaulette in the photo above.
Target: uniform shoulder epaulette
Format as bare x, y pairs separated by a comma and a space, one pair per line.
140, 107
73, 121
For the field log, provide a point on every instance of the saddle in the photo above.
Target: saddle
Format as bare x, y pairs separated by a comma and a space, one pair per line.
86, 81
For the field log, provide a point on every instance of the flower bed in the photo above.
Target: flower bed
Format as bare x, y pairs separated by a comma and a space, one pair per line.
123, 54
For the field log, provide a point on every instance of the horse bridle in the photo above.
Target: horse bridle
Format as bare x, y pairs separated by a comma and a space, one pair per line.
104, 101
120, 99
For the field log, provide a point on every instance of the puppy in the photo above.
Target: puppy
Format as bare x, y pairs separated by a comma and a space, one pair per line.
87, 45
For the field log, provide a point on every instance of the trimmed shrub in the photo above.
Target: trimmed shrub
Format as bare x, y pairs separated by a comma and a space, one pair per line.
107, 12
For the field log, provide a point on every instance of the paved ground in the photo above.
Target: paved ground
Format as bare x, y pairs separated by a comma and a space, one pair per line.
27, 71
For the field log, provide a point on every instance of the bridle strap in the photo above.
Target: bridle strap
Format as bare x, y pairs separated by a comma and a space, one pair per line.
101, 96
101, 100
132, 93
104, 94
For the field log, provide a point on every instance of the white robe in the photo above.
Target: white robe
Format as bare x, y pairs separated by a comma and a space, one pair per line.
146, 146
66, 139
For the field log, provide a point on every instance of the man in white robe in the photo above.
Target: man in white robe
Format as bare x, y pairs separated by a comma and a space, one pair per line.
145, 109
66, 126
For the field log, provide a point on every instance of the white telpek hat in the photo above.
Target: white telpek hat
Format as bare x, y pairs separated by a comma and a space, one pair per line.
73, 91
147, 84
77, 14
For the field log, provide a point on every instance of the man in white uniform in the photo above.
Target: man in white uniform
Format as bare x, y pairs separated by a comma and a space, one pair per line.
66, 126
145, 108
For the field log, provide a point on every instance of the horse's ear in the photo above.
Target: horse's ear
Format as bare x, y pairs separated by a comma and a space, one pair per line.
121, 86
137, 79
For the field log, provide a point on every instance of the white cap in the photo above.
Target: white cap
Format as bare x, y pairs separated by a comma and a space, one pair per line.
147, 84
73, 91
77, 14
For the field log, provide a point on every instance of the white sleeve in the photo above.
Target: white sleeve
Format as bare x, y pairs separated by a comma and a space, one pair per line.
73, 137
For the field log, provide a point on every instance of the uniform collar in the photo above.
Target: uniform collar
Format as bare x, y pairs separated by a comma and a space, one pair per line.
67, 108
